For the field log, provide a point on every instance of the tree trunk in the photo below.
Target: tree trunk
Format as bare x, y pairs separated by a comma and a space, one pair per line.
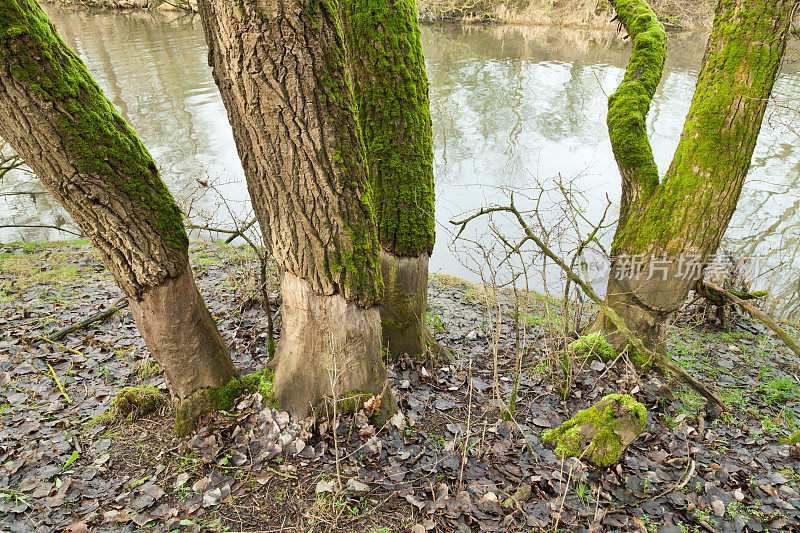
56, 117
405, 301
629, 105
281, 67
669, 234
391, 88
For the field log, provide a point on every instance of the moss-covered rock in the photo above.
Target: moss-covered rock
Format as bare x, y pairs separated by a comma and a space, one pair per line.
601, 433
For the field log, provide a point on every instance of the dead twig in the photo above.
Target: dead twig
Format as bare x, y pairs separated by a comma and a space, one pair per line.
59, 384
41, 226
120, 303
239, 232
661, 362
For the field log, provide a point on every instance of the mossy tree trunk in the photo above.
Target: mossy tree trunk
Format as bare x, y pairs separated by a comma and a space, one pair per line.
56, 117
391, 88
669, 229
282, 70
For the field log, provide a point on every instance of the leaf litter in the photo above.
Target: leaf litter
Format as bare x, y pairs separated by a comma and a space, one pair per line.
447, 462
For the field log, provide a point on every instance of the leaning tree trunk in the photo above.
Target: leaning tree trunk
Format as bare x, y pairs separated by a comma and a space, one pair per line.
391, 89
669, 230
281, 67
56, 117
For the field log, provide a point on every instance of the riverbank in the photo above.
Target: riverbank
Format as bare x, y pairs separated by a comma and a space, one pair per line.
675, 14
447, 466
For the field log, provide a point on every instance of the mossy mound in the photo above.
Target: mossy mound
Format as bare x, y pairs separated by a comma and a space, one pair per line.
601, 433
132, 403
595, 346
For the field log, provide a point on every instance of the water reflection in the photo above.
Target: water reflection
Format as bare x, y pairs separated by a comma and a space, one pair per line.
510, 105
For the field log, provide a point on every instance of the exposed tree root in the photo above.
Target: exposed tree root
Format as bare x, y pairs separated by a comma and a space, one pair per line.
436, 351
763, 317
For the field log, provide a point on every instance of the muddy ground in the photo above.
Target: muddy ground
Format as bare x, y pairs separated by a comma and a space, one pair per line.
451, 463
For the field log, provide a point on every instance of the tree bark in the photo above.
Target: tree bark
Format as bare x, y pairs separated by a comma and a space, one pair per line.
658, 252
630, 103
281, 67
391, 89
405, 301
56, 117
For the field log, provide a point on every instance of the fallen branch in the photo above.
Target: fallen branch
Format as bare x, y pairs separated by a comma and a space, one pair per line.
67, 348
60, 334
756, 312
41, 226
662, 362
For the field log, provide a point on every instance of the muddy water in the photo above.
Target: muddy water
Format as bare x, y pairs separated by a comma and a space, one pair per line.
512, 108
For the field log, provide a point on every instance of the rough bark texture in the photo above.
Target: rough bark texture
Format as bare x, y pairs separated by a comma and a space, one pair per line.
329, 348
282, 69
56, 117
391, 89
682, 221
405, 300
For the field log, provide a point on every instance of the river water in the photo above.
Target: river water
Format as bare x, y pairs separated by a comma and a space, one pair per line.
512, 107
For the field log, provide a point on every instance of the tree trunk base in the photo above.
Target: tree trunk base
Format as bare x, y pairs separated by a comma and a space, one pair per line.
646, 306
329, 347
405, 300
183, 338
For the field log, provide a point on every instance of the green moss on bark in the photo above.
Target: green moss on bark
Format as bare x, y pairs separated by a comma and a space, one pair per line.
99, 140
691, 208
629, 105
353, 401
352, 263
392, 96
